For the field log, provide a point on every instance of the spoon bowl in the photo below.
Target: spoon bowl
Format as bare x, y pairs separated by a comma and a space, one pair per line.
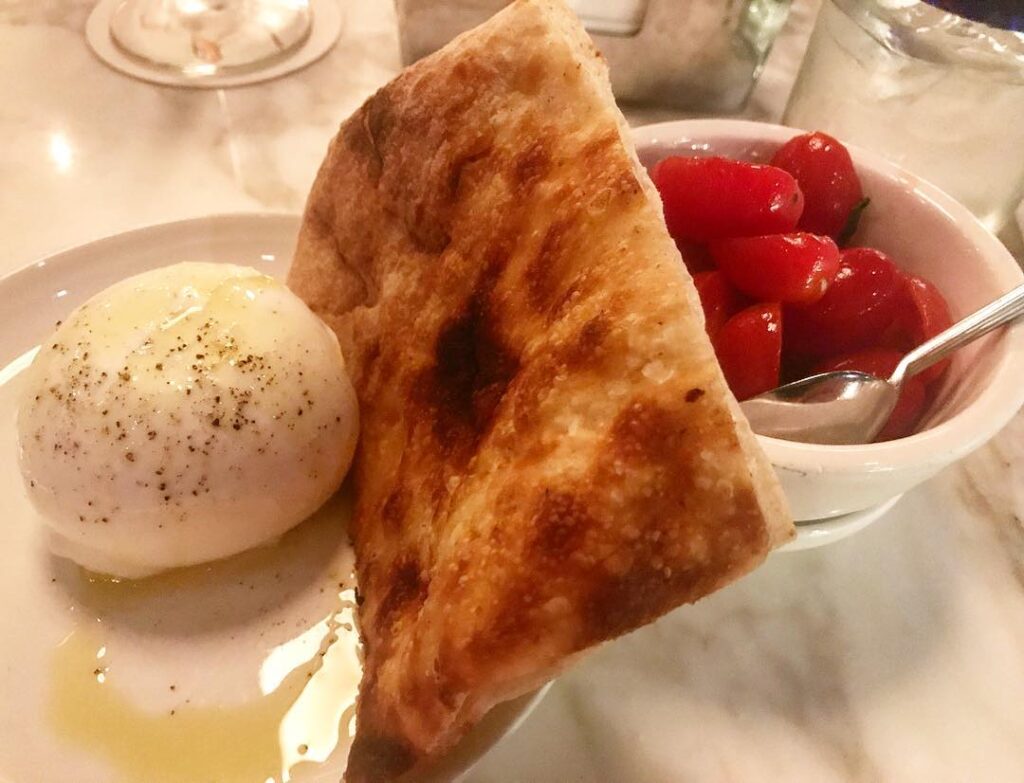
847, 407
837, 408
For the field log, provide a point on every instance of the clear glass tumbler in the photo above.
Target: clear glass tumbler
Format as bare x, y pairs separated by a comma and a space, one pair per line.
940, 94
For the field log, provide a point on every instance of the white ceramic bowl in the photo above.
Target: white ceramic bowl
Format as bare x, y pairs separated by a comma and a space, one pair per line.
926, 232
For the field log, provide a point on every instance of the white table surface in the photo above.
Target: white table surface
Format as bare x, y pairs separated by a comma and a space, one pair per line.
897, 655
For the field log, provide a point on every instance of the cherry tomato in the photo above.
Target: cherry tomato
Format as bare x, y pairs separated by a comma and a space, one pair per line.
794, 268
718, 298
825, 173
749, 348
715, 198
859, 304
923, 313
881, 362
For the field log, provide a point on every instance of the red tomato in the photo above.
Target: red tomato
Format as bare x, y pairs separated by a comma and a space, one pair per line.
859, 304
825, 173
718, 298
749, 348
923, 313
715, 198
881, 362
794, 268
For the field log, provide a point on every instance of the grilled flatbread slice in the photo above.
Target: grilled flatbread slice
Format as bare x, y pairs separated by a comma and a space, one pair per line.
549, 455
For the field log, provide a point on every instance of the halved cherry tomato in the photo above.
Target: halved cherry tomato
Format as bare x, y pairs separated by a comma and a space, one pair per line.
718, 298
715, 198
792, 268
881, 362
749, 349
855, 310
825, 173
922, 314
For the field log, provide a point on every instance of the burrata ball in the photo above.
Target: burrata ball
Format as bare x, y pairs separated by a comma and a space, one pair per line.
184, 415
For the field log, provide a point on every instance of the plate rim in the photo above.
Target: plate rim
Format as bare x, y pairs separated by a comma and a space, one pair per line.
128, 234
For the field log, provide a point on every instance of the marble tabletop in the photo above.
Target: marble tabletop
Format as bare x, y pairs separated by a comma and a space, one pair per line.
895, 655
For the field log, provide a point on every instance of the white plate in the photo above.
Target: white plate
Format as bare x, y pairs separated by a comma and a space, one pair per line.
240, 671
327, 24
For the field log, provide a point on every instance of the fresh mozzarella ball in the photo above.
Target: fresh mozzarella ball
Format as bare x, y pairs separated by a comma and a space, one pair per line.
184, 415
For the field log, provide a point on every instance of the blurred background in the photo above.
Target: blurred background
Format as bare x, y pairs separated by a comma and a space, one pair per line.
126, 112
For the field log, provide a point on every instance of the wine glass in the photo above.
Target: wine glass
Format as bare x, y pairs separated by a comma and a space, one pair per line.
206, 38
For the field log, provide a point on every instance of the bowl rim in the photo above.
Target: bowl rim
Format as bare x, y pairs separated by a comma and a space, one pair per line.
980, 419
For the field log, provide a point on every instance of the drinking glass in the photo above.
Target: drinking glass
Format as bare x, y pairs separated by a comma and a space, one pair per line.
938, 93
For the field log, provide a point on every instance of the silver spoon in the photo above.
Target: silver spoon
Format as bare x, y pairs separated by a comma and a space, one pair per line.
848, 407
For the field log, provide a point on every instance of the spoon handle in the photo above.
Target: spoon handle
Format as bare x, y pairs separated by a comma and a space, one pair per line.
1006, 308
